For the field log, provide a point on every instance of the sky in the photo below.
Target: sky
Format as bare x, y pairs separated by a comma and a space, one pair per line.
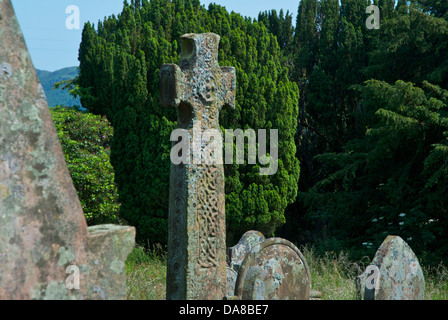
53, 37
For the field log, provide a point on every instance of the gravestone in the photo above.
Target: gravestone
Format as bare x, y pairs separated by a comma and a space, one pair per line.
232, 276
46, 249
273, 270
236, 256
238, 253
199, 88
394, 274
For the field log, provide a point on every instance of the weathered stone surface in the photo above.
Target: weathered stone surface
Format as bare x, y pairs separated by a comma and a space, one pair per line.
274, 270
395, 274
315, 295
109, 247
232, 276
237, 253
42, 226
236, 256
199, 88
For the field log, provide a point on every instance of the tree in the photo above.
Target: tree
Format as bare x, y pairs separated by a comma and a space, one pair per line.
119, 78
411, 47
338, 196
437, 8
390, 180
280, 25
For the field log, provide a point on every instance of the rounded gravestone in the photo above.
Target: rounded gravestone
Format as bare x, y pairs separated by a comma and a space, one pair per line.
274, 270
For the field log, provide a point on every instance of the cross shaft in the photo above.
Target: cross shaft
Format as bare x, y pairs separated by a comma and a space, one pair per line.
199, 88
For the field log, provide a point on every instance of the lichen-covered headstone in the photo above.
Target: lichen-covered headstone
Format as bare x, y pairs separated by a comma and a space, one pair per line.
199, 88
46, 249
274, 270
237, 253
232, 276
394, 274
236, 256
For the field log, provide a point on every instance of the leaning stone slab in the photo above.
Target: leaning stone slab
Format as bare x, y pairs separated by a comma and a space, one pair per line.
46, 249
237, 253
274, 270
394, 274
236, 256
232, 276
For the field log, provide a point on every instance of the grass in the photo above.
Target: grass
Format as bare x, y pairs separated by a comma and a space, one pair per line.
332, 275
436, 282
146, 274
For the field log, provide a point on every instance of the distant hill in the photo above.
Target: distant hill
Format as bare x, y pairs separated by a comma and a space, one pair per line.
58, 96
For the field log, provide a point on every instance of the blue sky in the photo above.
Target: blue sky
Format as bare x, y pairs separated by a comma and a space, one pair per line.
53, 46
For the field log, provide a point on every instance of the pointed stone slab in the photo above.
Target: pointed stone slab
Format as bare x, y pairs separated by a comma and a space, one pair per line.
43, 231
394, 274
199, 88
274, 270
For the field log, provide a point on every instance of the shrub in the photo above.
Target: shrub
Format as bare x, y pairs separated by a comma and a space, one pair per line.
85, 140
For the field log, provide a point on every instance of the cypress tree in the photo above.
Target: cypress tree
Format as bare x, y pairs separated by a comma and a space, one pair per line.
136, 44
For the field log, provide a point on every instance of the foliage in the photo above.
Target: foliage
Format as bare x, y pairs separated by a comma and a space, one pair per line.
119, 78
392, 180
85, 140
373, 152
369, 127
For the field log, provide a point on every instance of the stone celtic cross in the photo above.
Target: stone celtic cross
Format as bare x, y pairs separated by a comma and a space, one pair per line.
199, 88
